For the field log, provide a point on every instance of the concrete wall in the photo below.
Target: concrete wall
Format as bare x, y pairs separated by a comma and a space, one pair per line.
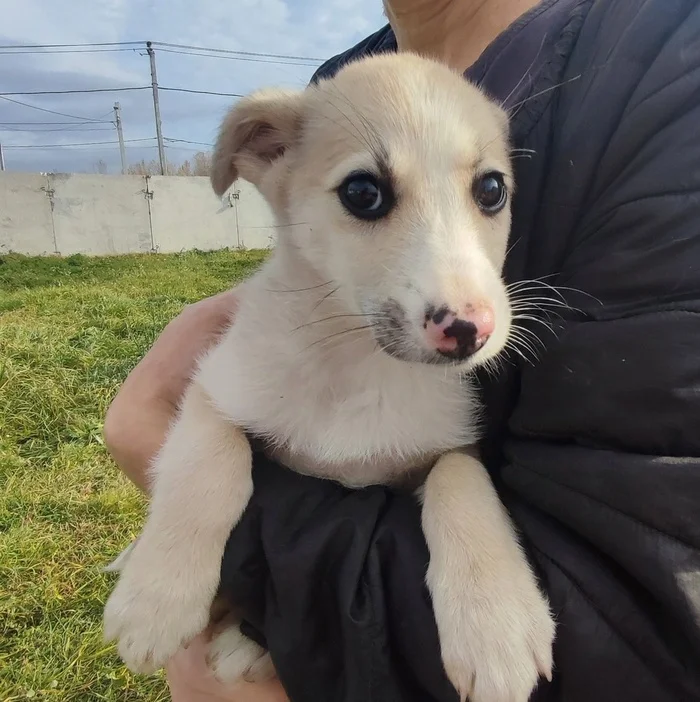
26, 222
106, 215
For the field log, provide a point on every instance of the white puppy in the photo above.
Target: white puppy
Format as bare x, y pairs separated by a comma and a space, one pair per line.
391, 186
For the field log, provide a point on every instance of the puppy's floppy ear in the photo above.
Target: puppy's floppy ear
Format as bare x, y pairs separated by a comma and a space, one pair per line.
258, 130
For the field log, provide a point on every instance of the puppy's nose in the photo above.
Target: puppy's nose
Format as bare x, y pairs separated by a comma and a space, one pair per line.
459, 334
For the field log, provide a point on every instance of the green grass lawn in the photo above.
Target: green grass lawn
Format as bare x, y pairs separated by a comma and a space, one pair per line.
70, 331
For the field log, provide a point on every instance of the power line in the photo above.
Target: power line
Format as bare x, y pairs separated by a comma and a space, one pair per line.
238, 58
200, 92
238, 53
53, 112
5, 96
75, 92
106, 114
68, 51
42, 48
70, 144
58, 129
69, 46
187, 141
72, 124
288, 62
56, 147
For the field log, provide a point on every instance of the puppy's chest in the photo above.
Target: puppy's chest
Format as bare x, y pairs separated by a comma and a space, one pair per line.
359, 423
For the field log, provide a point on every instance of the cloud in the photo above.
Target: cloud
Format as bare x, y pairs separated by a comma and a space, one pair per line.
305, 28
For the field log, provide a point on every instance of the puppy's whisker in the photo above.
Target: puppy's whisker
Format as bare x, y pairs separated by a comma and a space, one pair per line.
525, 75
323, 299
544, 307
336, 316
298, 290
278, 226
522, 347
557, 290
529, 339
366, 138
514, 109
373, 141
340, 333
511, 247
355, 135
532, 318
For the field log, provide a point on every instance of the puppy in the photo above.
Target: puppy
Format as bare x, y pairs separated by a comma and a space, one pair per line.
349, 359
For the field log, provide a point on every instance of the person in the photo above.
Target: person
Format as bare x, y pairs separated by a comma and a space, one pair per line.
594, 443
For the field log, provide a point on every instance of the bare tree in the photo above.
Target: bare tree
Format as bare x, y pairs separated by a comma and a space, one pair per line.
200, 165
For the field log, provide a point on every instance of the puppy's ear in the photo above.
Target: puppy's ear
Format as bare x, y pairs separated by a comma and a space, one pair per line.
257, 131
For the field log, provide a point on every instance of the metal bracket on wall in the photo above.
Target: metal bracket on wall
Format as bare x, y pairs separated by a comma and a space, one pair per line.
50, 192
148, 195
228, 201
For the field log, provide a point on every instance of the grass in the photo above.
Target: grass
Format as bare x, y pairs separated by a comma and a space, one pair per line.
70, 331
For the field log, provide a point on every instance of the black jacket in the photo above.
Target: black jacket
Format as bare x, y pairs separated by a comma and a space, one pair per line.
595, 445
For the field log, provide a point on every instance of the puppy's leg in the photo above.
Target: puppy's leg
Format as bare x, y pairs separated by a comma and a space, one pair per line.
495, 627
168, 581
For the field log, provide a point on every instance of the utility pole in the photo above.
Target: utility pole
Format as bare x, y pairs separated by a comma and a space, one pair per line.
2, 159
120, 134
156, 108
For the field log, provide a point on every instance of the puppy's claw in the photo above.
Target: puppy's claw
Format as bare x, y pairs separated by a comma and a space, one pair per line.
261, 670
150, 614
495, 644
545, 669
233, 656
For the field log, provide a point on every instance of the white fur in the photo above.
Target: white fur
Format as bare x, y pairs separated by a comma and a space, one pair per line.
302, 369
340, 409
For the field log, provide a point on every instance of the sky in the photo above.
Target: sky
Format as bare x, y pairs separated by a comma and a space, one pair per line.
314, 29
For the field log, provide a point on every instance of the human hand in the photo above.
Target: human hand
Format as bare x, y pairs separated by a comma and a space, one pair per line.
190, 680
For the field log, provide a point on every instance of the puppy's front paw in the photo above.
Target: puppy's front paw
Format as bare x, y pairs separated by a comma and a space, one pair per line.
155, 609
233, 656
496, 638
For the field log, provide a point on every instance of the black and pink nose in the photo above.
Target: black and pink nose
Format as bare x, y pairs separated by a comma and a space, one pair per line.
458, 334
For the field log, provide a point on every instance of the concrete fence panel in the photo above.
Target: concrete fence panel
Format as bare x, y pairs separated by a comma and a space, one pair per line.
187, 214
256, 224
98, 216
25, 214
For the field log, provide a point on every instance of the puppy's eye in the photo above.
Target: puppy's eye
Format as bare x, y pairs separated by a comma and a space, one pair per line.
364, 196
490, 192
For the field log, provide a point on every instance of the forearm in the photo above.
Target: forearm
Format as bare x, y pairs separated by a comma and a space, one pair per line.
134, 437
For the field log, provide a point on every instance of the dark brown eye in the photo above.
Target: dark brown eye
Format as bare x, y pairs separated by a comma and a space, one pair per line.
364, 196
490, 192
